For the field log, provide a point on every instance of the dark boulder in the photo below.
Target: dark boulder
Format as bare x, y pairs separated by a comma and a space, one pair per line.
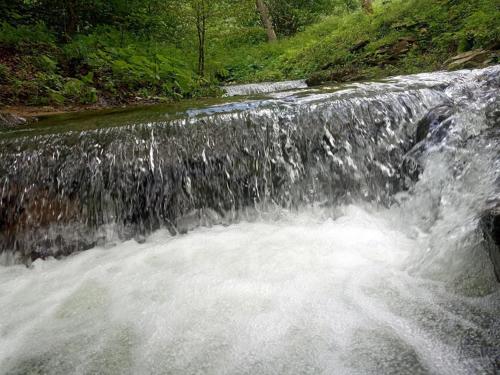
490, 225
433, 128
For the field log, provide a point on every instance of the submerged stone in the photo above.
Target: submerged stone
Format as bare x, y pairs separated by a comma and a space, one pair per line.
433, 125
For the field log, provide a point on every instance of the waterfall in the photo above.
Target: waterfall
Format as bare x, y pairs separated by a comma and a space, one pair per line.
70, 191
263, 87
350, 230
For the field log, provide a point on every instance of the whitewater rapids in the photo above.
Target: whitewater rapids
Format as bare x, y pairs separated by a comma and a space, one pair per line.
302, 295
349, 230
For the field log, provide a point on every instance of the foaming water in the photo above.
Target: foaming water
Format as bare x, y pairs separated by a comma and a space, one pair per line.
302, 294
350, 231
69, 191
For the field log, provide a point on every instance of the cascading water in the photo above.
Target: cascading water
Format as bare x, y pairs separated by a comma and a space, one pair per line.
211, 167
363, 237
264, 87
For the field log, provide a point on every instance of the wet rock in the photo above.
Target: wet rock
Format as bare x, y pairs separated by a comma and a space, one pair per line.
433, 128
490, 224
410, 170
434, 124
25, 212
9, 120
140, 239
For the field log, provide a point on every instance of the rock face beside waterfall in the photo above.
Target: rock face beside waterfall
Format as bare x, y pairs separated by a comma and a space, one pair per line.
490, 225
67, 192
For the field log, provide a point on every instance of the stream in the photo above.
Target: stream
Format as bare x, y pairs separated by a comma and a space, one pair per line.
348, 229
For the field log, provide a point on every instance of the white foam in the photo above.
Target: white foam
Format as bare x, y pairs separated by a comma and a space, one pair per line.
299, 295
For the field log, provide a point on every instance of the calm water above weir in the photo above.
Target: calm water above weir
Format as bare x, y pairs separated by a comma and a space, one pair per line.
346, 230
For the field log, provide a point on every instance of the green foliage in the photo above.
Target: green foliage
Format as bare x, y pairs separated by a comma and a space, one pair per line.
481, 28
25, 34
291, 16
437, 30
73, 88
46, 64
117, 50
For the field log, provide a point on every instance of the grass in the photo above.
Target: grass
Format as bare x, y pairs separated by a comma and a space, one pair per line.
437, 30
111, 66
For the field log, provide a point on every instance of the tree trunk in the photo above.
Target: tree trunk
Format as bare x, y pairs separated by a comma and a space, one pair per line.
201, 27
72, 25
266, 20
367, 6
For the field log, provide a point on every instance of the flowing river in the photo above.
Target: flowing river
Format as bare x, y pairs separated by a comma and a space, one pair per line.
338, 230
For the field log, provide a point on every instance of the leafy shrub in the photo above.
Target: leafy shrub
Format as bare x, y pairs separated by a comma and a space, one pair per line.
56, 97
16, 36
439, 28
132, 59
73, 88
482, 28
45, 64
50, 81
76, 90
